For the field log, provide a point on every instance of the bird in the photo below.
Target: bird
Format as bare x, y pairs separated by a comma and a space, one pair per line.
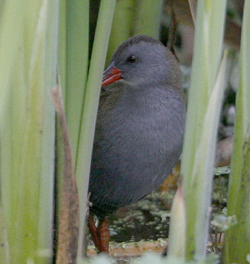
139, 129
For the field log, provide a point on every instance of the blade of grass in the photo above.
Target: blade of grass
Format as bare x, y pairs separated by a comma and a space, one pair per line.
29, 31
69, 217
77, 65
147, 18
73, 67
237, 238
125, 12
73, 62
4, 249
176, 241
91, 100
200, 135
198, 184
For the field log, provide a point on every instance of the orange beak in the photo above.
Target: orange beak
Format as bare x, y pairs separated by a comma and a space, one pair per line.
111, 74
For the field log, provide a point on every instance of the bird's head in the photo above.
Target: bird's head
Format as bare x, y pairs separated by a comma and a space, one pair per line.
141, 61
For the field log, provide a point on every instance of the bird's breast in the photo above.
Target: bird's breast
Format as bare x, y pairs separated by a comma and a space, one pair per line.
135, 148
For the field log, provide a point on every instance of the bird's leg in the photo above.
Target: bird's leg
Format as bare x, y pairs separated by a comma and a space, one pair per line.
103, 234
100, 234
93, 230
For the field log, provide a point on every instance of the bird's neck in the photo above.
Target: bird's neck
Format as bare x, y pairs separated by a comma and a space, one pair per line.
149, 96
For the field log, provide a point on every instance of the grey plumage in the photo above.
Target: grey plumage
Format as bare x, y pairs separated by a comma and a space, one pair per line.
140, 126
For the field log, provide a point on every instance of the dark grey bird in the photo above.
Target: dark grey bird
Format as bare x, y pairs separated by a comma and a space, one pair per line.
139, 129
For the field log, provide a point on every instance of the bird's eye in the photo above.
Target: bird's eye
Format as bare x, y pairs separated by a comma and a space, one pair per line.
131, 59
